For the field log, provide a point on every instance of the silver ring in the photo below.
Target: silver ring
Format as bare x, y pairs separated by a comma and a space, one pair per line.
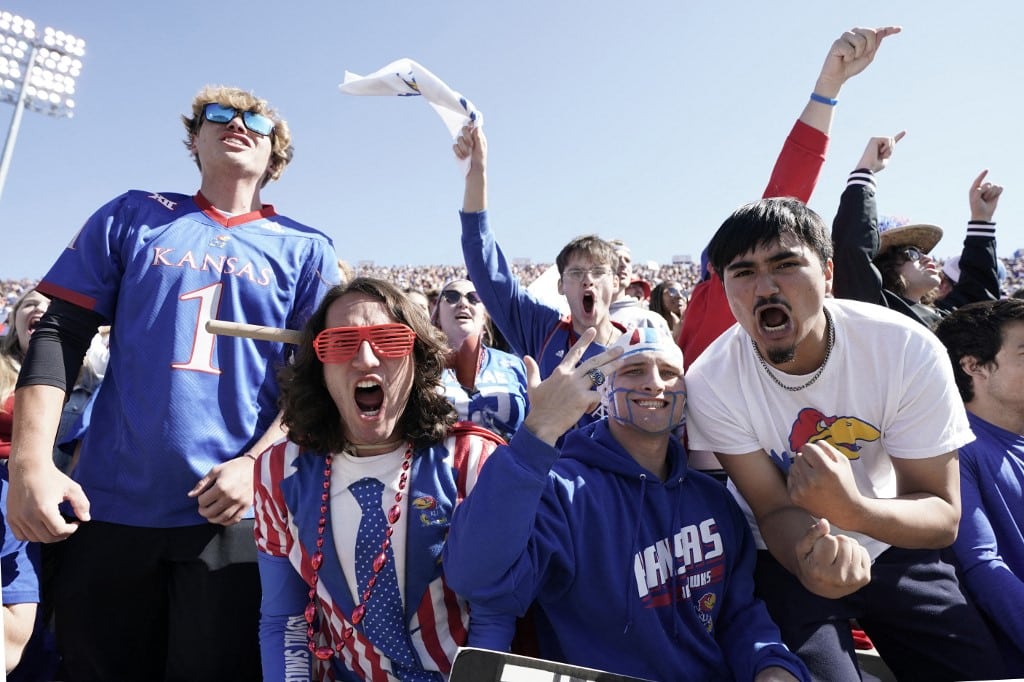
596, 377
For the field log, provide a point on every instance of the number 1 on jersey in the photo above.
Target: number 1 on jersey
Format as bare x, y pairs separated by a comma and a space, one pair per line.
201, 359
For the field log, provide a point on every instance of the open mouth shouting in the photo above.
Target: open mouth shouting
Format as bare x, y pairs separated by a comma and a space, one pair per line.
369, 397
773, 319
588, 302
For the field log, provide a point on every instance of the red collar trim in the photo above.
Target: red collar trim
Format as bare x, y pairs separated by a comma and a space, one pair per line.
206, 207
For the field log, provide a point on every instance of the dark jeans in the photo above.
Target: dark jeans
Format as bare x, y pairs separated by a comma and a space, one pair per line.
159, 603
913, 611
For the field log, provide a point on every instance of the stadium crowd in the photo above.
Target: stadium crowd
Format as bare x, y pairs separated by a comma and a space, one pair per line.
413, 488
430, 278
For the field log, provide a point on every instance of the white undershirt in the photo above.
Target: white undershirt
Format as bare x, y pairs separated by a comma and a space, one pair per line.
345, 512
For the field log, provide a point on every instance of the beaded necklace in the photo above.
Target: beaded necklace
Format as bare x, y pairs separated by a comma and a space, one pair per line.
325, 652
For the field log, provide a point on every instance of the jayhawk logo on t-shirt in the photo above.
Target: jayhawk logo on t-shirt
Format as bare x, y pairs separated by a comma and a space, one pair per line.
843, 433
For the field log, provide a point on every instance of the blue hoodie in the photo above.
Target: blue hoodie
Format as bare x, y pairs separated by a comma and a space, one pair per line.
631, 574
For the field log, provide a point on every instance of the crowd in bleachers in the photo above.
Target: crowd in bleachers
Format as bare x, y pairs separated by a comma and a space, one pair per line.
430, 278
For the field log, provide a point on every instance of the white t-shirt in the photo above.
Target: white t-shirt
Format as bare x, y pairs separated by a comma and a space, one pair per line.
886, 391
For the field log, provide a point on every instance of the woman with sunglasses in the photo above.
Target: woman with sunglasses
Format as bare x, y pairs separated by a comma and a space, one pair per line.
669, 301
892, 266
487, 386
352, 511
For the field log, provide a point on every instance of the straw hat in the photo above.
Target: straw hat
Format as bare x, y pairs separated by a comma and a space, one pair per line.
921, 235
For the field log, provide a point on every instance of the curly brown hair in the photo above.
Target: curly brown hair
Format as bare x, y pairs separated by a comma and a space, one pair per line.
281, 150
309, 412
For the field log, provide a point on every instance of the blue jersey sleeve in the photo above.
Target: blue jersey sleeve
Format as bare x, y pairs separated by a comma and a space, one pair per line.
524, 321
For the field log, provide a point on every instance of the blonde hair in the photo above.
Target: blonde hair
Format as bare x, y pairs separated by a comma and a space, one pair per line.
281, 150
11, 352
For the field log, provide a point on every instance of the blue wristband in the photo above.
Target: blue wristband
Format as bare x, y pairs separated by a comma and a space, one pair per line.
815, 97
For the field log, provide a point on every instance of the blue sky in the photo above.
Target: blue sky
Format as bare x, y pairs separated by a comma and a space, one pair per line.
646, 120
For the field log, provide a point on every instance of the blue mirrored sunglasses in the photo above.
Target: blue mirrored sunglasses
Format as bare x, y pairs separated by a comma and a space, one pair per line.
257, 123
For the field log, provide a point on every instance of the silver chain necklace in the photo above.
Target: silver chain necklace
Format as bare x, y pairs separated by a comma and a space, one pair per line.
828, 352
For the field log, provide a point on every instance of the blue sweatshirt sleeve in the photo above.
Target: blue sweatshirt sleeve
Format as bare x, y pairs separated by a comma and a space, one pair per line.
283, 642
997, 591
523, 320
748, 637
495, 554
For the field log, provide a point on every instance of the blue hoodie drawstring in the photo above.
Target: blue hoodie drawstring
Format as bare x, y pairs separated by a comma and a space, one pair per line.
633, 553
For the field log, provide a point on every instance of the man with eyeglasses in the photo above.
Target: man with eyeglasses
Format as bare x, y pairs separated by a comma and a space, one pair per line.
159, 579
586, 266
891, 265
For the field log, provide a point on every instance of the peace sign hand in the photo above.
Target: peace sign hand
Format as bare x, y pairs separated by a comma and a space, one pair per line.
566, 395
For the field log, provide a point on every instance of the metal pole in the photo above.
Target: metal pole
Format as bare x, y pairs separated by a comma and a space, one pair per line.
19, 108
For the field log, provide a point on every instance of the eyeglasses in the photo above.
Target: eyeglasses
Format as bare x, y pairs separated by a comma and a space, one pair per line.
340, 344
257, 123
912, 254
674, 291
577, 274
451, 297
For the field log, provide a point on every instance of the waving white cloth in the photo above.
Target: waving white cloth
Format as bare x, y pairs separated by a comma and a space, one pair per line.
406, 78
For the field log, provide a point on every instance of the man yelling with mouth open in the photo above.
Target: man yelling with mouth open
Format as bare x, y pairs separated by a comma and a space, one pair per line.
586, 268
847, 529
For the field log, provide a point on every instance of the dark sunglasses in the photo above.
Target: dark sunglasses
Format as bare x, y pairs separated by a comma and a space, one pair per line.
257, 123
340, 344
911, 253
451, 297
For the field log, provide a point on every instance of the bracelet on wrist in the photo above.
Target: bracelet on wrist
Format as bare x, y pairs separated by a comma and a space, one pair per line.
815, 97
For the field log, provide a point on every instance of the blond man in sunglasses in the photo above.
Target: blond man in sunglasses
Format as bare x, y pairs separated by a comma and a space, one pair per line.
156, 520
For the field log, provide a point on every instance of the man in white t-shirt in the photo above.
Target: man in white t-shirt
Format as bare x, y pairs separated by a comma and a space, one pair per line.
838, 424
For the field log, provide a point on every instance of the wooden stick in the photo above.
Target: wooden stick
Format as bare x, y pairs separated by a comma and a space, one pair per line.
253, 331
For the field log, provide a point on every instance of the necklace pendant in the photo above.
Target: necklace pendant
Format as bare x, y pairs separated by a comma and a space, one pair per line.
324, 653
358, 613
379, 561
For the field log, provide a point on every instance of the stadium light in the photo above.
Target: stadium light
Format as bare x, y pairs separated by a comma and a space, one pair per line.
37, 72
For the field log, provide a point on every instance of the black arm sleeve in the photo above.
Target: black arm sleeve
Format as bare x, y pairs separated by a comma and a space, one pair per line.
855, 242
979, 269
58, 346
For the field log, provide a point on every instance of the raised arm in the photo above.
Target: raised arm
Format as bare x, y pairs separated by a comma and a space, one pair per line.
523, 320
979, 264
855, 228
472, 144
799, 164
795, 173
850, 54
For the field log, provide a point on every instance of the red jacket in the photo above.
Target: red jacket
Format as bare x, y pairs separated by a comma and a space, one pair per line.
795, 175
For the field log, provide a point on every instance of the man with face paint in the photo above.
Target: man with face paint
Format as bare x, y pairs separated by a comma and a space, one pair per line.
637, 565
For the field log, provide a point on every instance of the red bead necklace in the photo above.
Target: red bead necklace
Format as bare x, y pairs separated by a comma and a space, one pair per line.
394, 514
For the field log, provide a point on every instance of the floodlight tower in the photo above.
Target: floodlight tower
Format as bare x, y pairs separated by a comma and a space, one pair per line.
36, 73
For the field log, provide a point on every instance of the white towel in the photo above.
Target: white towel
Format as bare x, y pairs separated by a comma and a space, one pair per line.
406, 78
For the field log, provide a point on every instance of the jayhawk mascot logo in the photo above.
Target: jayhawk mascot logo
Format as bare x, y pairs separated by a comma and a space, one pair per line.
843, 433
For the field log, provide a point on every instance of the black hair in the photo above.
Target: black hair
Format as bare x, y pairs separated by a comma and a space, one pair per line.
976, 330
763, 223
